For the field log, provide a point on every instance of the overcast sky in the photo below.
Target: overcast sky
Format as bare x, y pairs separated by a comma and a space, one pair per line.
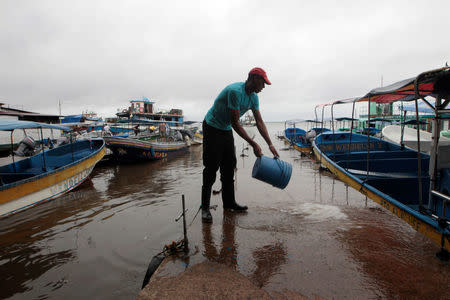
97, 55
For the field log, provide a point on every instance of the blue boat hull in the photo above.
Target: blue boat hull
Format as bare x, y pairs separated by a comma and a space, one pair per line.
388, 174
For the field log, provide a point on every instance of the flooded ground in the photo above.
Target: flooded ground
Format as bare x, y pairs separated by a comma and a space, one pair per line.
315, 238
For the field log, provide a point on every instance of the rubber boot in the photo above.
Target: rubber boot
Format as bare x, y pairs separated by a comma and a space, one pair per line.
228, 199
206, 198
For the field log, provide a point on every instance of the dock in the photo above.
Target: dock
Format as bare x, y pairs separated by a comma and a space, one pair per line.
317, 239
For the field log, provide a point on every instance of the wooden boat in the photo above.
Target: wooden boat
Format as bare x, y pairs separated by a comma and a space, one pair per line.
131, 150
299, 138
47, 175
294, 136
414, 186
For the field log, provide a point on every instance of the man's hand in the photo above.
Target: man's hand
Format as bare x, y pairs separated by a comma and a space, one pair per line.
274, 151
257, 149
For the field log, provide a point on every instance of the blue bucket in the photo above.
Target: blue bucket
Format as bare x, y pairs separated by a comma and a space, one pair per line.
273, 171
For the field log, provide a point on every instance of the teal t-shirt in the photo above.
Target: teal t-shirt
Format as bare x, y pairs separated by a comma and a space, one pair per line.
232, 97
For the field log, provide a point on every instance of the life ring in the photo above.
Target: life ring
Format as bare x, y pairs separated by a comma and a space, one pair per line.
141, 109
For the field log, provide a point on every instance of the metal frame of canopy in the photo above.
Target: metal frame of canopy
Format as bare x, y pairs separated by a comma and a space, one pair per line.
8, 125
292, 122
434, 83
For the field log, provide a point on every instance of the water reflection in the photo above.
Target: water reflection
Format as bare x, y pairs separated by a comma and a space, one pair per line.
228, 252
150, 179
268, 258
24, 252
401, 261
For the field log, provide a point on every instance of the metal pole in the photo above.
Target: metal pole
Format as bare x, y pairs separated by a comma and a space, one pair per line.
419, 159
43, 150
12, 151
295, 135
368, 139
434, 150
184, 225
71, 145
315, 113
351, 133
332, 128
320, 160
402, 121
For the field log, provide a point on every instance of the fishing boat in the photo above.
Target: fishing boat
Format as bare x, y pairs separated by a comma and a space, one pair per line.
142, 111
248, 119
414, 186
293, 135
47, 175
132, 150
301, 139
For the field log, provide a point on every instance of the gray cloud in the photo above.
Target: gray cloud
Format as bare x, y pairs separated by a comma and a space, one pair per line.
97, 55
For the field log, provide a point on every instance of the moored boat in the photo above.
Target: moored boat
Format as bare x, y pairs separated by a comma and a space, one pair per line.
294, 135
131, 150
414, 186
408, 137
301, 139
47, 175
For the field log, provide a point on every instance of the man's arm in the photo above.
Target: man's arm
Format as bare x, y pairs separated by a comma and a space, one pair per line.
263, 131
234, 116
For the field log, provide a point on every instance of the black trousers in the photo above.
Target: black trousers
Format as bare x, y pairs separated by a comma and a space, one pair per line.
218, 153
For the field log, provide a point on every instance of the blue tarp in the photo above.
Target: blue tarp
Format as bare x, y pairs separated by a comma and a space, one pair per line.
9, 125
72, 119
422, 108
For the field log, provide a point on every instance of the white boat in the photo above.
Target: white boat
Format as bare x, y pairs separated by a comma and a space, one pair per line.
393, 134
47, 175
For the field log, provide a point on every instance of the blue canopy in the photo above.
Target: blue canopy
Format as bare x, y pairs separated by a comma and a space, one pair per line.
422, 108
72, 119
293, 121
9, 125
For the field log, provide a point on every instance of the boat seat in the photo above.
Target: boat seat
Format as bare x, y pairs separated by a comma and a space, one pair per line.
384, 164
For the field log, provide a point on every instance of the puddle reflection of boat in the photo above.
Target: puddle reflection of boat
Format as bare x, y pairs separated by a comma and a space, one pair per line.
47, 175
414, 186
132, 150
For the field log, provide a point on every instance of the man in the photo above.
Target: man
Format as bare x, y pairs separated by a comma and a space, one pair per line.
218, 142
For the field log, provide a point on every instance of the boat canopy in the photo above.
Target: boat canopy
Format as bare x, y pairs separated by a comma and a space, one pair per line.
345, 119
429, 83
379, 120
147, 121
422, 108
10, 125
293, 122
414, 122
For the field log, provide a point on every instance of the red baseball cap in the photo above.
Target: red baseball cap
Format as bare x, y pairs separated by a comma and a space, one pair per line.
260, 72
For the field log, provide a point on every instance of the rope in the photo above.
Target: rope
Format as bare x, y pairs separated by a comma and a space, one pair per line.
173, 248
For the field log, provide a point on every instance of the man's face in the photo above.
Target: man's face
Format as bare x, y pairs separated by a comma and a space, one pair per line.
259, 84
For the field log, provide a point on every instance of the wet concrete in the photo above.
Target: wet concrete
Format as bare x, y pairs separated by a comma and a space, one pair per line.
317, 239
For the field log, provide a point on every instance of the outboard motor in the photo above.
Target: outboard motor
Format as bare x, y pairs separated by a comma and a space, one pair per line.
310, 135
177, 136
27, 147
188, 133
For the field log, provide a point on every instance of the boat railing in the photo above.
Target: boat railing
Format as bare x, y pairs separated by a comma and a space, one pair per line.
445, 200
